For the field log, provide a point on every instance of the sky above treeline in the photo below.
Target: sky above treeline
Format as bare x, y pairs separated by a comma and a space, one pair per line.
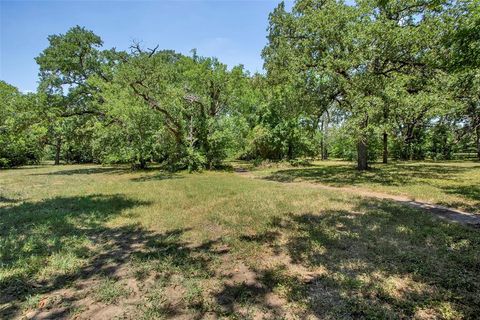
233, 31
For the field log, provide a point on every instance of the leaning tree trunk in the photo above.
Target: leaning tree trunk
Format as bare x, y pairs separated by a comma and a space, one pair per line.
385, 147
58, 148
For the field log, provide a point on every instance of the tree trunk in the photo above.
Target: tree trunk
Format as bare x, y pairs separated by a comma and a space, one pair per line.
290, 151
58, 147
322, 144
478, 142
385, 134
362, 147
142, 163
385, 147
325, 119
362, 163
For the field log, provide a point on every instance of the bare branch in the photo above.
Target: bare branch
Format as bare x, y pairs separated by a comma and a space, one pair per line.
152, 51
135, 47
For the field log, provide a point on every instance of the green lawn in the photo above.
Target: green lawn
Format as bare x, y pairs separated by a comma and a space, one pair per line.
102, 242
451, 184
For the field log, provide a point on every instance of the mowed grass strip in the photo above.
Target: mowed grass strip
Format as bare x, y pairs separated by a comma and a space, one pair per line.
88, 240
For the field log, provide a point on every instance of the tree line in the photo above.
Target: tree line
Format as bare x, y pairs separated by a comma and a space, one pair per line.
380, 79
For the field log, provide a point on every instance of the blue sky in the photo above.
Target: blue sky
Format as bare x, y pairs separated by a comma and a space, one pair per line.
233, 31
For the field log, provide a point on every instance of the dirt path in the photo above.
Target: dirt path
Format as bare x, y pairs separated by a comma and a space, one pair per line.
449, 214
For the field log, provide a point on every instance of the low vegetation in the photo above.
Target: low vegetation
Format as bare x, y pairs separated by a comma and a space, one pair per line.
91, 242
451, 184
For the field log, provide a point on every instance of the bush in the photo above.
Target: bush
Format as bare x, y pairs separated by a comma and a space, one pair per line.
194, 160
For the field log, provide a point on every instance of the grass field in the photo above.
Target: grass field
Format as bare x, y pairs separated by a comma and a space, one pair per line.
92, 242
451, 184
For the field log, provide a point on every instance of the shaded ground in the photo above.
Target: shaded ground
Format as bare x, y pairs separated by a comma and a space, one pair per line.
449, 214
450, 184
147, 245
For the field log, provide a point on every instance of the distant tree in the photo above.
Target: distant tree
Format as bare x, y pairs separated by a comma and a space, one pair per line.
66, 66
462, 58
20, 133
348, 54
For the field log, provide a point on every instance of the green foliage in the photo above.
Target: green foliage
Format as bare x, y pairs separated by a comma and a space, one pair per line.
132, 134
194, 160
20, 132
375, 61
259, 143
392, 78
463, 40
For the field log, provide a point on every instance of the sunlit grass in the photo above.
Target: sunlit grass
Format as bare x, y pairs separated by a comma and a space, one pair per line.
110, 291
453, 184
87, 237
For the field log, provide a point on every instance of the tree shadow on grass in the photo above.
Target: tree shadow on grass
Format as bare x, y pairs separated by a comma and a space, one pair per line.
146, 173
5, 200
42, 244
471, 192
88, 170
25, 167
62, 244
378, 260
158, 176
393, 175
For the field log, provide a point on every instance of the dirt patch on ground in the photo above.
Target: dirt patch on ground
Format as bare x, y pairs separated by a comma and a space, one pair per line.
172, 280
246, 294
87, 295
